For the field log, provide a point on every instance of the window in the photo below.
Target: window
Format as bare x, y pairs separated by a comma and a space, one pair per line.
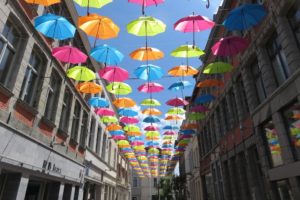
225, 115
294, 20
75, 121
84, 129
92, 133
53, 95
234, 112
135, 182
109, 152
103, 153
278, 60
284, 190
242, 95
31, 85
258, 81
134, 198
115, 158
154, 182
98, 140
66, 110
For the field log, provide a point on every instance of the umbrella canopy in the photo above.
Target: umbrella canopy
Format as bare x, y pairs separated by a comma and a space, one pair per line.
168, 137
137, 143
177, 102
151, 87
169, 127
151, 128
81, 73
183, 70
131, 128
169, 133
53, 26
210, 83
189, 126
69, 54
119, 137
229, 46
146, 26
218, 68
123, 144
196, 116
176, 111
105, 112
153, 151
119, 88
180, 85
43, 2
89, 88
124, 102
151, 119
98, 26
114, 73
93, 3
107, 54
150, 102
151, 111
205, 98
127, 112
152, 134
187, 51
187, 132
148, 72
97, 102
113, 127
134, 133
146, 54
109, 119
117, 132
152, 143
173, 117
199, 108
129, 120
245, 17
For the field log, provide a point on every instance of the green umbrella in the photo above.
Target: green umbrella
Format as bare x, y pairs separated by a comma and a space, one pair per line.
152, 134
119, 88
109, 119
196, 116
217, 68
146, 26
81, 73
131, 128
150, 102
176, 111
168, 137
187, 51
92, 3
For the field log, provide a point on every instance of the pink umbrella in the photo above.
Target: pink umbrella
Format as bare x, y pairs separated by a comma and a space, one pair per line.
185, 136
169, 133
119, 137
151, 128
69, 54
177, 102
129, 120
199, 108
151, 87
193, 23
105, 112
230, 46
137, 143
146, 3
114, 74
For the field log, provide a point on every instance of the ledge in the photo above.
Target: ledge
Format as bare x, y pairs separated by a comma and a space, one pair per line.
73, 142
27, 107
48, 122
62, 133
4, 90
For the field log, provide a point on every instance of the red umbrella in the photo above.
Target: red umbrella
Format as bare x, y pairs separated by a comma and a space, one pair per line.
199, 108
129, 120
114, 74
104, 112
151, 128
177, 102
169, 133
230, 46
151, 87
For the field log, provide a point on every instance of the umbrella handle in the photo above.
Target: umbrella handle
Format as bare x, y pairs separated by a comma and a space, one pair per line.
207, 4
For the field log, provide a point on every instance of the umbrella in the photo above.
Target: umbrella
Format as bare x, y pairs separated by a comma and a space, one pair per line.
193, 23
199, 108
98, 26
43, 2
92, 3
169, 133
150, 87
187, 131
129, 120
153, 151
123, 144
107, 55
119, 137
88, 88
53, 26
146, 3
176, 111
169, 127
146, 54
151, 111
81, 73
137, 143
146, 26
245, 17
151, 119
69, 54
98, 102
205, 98
177, 102
134, 133
168, 137
113, 127
117, 132
229, 46
148, 72
196, 116
173, 117
180, 85
152, 134
105, 112
151, 128
119, 88
152, 143
109, 119
131, 128
124, 102
187, 51
150, 102
189, 126
218, 68
183, 70
127, 112
210, 83
114, 73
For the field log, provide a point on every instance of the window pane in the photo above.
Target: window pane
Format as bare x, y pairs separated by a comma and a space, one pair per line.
103, 153
284, 190
66, 109
75, 121
5, 65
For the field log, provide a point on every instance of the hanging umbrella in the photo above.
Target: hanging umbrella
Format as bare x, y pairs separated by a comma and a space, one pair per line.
114, 74
210, 83
205, 98
177, 102
124, 102
119, 137
123, 144
131, 128
176, 111
151, 119
151, 111
180, 85
152, 143
98, 102
69, 54
146, 54
152, 134
146, 3
169, 133
98, 26
105, 112
151, 87
134, 133
81, 73
107, 54
146, 26
218, 68
53, 26
43, 2
189, 126
199, 108
109, 119
88, 88
129, 120
127, 112
229, 46
151, 128
113, 127
173, 117
92, 3
196, 116
168, 137
187, 51
245, 17
148, 72
187, 132
119, 88
116, 132
137, 143
183, 70
150, 102
153, 151
169, 127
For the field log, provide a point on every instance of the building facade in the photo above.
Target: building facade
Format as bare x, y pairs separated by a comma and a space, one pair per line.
144, 188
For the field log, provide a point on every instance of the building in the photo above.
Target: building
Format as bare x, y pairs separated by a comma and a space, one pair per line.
52, 145
144, 188
249, 140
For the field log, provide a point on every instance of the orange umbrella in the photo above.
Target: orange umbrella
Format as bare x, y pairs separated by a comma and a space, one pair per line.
89, 88
210, 83
43, 2
152, 138
189, 126
113, 127
183, 70
131, 133
98, 26
151, 111
146, 53
173, 117
124, 102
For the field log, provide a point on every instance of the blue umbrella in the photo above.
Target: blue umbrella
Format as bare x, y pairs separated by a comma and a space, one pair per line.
180, 85
169, 127
152, 143
205, 98
117, 132
148, 72
54, 26
107, 55
98, 102
127, 112
245, 17
167, 146
187, 132
133, 138
151, 119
